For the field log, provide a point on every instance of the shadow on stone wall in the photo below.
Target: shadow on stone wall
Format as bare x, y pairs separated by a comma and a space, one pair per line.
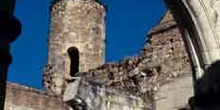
207, 90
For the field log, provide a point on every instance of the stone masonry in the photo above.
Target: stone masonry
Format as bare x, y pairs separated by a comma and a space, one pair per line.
20, 97
163, 59
154, 72
154, 79
76, 24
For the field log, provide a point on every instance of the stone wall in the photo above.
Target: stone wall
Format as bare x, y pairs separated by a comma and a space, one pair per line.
170, 52
175, 94
79, 24
162, 63
153, 79
20, 97
163, 59
83, 95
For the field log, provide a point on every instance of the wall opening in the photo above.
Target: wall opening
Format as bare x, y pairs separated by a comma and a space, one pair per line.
73, 53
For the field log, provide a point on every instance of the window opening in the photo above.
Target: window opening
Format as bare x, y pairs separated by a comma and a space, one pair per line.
73, 53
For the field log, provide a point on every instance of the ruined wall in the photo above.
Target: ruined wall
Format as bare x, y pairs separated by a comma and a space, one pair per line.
154, 79
170, 52
175, 94
79, 24
162, 62
83, 95
163, 58
20, 97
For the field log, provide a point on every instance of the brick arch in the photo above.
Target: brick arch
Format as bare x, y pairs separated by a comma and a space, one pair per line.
198, 19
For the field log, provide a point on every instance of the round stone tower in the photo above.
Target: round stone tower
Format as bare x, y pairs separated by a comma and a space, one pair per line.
76, 42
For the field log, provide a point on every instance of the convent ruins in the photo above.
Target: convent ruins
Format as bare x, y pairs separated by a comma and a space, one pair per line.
178, 51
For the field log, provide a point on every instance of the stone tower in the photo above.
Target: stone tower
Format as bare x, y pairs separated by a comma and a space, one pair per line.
76, 41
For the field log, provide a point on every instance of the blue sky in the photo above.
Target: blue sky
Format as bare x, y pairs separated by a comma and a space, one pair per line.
127, 23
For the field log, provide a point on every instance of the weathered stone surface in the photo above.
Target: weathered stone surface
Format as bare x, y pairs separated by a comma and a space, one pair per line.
163, 59
162, 63
174, 95
134, 83
19, 97
79, 24
93, 96
161, 70
200, 22
166, 22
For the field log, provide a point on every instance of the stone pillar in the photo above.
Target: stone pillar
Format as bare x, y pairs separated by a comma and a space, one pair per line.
79, 24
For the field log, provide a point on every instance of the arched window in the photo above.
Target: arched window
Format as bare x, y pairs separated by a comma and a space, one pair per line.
73, 53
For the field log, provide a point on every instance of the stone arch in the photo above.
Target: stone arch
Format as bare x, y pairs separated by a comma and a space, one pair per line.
73, 53
198, 20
